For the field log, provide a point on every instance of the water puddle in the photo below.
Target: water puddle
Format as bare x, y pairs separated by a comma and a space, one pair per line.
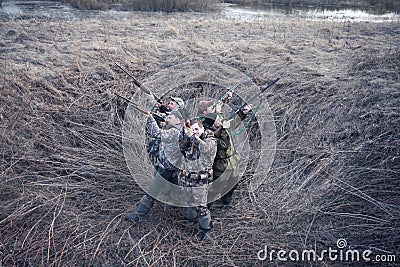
51, 10
54, 10
248, 13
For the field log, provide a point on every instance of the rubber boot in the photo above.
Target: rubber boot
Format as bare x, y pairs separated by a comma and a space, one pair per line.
190, 216
206, 226
143, 208
227, 199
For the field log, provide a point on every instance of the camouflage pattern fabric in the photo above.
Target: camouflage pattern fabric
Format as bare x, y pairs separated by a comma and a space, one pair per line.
168, 156
197, 169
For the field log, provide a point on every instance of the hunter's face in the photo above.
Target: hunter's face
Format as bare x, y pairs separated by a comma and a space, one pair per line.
217, 122
208, 110
172, 105
197, 129
172, 120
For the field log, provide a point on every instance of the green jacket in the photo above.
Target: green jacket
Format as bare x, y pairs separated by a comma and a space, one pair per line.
227, 158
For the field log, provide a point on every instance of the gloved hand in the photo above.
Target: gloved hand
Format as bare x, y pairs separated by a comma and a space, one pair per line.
217, 123
163, 108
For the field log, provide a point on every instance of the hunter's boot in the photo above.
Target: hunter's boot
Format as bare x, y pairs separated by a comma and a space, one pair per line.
227, 199
206, 226
190, 216
143, 208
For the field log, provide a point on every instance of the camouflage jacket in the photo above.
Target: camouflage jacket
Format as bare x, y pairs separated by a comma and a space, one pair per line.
168, 156
199, 156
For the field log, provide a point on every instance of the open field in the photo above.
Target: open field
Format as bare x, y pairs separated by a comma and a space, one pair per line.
64, 183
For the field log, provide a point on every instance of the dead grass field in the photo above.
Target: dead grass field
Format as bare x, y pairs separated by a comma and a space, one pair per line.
64, 183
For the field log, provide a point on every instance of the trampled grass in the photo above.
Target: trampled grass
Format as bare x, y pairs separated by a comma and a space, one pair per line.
65, 185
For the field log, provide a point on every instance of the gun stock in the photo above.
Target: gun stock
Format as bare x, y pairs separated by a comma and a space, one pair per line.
141, 109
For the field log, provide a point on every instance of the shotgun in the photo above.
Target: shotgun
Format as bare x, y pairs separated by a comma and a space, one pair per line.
252, 98
233, 89
141, 109
138, 84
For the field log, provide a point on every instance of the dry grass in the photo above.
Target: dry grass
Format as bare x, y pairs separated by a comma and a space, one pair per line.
64, 182
147, 5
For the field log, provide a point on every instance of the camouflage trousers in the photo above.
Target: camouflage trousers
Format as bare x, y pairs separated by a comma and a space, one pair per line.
196, 189
158, 188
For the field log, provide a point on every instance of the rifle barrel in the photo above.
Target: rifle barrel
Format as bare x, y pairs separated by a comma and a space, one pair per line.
137, 83
262, 91
254, 97
233, 89
141, 109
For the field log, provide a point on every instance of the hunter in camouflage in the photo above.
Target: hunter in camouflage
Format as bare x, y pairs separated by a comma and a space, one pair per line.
199, 148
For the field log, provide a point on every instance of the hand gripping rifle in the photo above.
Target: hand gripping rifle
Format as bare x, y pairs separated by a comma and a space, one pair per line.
141, 109
252, 98
138, 84
232, 90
